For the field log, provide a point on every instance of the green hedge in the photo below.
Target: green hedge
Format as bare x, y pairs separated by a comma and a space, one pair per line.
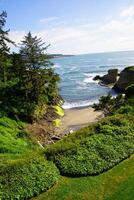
111, 142
25, 178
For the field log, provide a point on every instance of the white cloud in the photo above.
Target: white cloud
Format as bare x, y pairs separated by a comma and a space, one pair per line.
106, 35
48, 19
17, 35
128, 11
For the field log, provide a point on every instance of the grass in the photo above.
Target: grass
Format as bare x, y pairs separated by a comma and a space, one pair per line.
116, 184
13, 137
24, 172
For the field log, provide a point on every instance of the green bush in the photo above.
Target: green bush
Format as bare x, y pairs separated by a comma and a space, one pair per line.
126, 110
94, 153
27, 177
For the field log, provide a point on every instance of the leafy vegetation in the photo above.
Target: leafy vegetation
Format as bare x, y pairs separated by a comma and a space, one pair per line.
116, 184
59, 110
110, 141
109, 105
28, 87
26, 177
14, 138
27, 78
24, 172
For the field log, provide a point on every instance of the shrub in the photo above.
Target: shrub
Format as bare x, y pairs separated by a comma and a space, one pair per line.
27, 177
59, 110
126, 110
109, 104
94, 153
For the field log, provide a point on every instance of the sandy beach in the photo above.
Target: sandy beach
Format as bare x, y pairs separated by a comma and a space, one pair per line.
78, 118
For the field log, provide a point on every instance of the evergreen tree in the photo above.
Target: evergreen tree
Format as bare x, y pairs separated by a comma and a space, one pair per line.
4, 49
32, 50
40, 80
28, 84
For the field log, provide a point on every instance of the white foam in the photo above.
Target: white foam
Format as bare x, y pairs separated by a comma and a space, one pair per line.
56, 66
69, 105
89, 80
90, 76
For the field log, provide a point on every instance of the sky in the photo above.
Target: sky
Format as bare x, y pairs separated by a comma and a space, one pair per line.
73, 26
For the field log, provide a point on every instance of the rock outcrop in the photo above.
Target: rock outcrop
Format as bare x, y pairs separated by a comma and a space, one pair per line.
111, 77
126, 79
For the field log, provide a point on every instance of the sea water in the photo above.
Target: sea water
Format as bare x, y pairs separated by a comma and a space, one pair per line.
77, 72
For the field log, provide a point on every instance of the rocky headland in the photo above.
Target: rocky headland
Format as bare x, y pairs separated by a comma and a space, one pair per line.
118, 82
126, 79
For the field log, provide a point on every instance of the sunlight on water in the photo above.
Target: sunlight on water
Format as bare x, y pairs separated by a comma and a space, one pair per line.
77, 86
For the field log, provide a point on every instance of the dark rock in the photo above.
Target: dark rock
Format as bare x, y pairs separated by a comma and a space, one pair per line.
111, 77
126, 79
54, 137
96, 78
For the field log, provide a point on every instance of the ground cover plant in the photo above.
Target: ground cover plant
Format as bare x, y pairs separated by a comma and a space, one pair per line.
24, 172
99, 147
111, 141
115, 184
14, 138
25, 177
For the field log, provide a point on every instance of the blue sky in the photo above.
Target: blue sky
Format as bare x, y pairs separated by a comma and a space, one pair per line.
74, 26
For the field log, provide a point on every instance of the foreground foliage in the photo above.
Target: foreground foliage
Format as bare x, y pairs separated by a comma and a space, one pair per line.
26, 177
116, 184
28, 84
109, 142
24, 172
14, 138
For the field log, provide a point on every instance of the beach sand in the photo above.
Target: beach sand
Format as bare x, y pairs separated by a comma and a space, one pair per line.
75, 119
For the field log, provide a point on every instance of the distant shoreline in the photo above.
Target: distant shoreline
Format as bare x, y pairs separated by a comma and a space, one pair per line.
60, 55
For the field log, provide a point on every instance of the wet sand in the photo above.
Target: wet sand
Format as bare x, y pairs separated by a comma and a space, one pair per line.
75, 119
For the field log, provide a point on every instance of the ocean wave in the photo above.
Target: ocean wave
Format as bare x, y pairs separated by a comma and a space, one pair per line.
79, 104
56, 66
90, 76
89, 80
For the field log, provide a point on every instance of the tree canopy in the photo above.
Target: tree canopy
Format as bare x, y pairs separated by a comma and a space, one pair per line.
27, 80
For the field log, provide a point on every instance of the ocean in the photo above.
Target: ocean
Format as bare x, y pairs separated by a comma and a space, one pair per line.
77, 87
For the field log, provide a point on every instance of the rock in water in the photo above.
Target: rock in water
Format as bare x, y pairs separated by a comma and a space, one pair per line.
97, 78
126, 79
111, 77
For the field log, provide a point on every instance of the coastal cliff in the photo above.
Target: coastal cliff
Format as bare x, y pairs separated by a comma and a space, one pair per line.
119, 81
126, 79
109, 78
